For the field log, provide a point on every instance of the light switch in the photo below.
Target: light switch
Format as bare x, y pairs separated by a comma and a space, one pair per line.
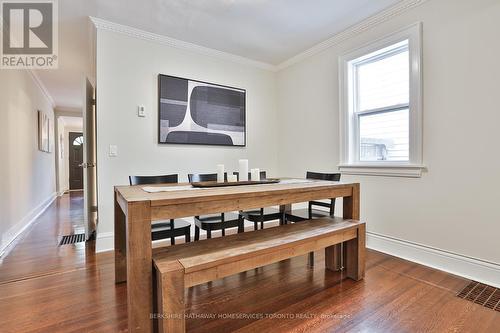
113, 150
141, 111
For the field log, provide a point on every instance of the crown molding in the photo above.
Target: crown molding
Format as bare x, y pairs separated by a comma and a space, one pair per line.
149, 36
40, 85
368, 23
354, 30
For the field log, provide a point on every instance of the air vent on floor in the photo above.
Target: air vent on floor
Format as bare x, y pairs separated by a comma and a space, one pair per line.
481, 294
72, 239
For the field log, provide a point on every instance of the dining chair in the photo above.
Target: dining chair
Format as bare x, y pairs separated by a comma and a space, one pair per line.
261, 214
212, 222
310, 212
164, 229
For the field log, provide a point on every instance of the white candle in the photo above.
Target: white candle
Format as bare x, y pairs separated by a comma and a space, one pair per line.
232, 178
255, 174
220, 173
243, 170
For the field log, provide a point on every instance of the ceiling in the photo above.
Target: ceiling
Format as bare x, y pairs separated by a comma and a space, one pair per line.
72, 122
269, 31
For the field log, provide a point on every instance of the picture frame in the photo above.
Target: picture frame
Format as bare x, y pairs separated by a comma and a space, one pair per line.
44, 127
200, 113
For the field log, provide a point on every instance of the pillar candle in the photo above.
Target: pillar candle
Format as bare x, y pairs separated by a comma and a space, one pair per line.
220, 173
243, 170
232, 178
255, 174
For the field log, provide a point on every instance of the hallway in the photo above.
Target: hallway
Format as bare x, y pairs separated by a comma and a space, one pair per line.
46, 288
63, 217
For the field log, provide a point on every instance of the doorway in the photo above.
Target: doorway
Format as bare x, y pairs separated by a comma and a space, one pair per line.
75, 150
76, 155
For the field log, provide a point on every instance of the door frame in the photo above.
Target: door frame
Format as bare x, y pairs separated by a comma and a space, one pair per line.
90, 212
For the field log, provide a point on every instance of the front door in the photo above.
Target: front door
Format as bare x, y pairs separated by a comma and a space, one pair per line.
75, 161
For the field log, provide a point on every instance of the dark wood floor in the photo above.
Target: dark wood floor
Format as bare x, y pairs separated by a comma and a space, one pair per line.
45, 288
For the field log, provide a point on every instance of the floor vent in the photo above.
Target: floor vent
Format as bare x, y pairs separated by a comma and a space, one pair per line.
72, 239
481, 294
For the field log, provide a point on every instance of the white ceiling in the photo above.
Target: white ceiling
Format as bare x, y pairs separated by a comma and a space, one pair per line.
269, 31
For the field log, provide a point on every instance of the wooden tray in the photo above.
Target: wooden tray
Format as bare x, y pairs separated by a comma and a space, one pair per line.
248, 182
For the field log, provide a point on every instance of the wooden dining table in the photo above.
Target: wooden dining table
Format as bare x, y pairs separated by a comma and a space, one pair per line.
135, 209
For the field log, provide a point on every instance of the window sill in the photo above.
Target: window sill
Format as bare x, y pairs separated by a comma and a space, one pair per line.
387, 170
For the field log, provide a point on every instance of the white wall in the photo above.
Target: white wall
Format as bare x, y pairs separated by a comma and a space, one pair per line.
127, 70
453, 207
27, 175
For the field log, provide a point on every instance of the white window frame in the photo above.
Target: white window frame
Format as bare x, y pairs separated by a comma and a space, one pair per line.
349, 131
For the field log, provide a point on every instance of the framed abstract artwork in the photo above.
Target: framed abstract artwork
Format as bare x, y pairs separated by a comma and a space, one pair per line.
200, 113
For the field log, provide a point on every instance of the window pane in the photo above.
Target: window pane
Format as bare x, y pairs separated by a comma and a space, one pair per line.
384, 82
78, 141
384, 136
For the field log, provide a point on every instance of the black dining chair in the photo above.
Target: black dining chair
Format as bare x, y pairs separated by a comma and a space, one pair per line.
164, 229
261, 215
213, 222
310, 212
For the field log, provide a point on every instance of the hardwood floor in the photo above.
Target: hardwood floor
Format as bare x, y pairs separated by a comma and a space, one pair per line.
37, 253
45, 288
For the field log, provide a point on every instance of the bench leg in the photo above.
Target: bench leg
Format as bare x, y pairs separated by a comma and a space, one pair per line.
171, 304
355, 255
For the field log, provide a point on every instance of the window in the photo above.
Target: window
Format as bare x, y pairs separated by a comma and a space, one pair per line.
381, 126
78, 141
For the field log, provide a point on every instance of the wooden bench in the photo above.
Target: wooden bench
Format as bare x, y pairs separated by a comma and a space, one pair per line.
186, 265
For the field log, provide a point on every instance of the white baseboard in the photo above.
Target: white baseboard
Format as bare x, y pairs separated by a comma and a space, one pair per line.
467, 267
105, 241
60, 193
16, 230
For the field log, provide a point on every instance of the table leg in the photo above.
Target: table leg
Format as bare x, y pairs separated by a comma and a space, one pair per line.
350, 211
120, 244
331, 258
139, 267
285, 209
351, 204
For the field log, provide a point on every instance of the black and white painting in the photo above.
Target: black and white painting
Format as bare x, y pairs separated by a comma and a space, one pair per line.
195, 112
